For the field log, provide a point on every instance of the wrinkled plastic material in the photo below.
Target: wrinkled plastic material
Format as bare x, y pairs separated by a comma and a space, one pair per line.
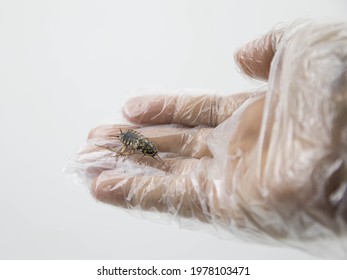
268, 165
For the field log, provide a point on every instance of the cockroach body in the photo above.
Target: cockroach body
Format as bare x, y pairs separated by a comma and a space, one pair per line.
136, 141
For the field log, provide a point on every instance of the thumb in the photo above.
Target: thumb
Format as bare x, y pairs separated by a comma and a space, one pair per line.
254, 58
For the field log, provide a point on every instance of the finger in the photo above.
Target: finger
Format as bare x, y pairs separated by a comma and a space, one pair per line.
255, 58
209, 110
108, 131
176, 194
188, 142
114, 167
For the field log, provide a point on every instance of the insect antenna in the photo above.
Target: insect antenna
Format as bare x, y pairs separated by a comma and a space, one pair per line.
117, 136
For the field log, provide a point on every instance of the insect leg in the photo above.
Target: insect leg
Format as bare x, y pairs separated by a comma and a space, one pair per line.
122, 150
107, 148
123, 153
157, 159
141, 158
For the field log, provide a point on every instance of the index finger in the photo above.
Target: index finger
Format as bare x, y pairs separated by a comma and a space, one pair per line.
210, 110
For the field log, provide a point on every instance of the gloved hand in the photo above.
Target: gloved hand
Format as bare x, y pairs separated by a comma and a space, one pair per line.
268, 165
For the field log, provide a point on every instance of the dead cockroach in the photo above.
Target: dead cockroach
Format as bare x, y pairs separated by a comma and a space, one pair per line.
136, 141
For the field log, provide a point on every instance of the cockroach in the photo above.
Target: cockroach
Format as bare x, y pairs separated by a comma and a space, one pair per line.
136, 141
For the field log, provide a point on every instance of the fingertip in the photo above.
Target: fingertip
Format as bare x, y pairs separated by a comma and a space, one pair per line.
255, 57
101, 131
146, 109
107, 131
112, 191
132, 107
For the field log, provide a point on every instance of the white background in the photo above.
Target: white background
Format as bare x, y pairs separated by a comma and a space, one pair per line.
66, 66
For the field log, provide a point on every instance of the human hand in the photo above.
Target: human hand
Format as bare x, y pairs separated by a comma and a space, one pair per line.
181, 138
267, 165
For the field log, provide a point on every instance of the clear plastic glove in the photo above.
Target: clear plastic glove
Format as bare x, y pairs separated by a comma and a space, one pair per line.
267, 166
